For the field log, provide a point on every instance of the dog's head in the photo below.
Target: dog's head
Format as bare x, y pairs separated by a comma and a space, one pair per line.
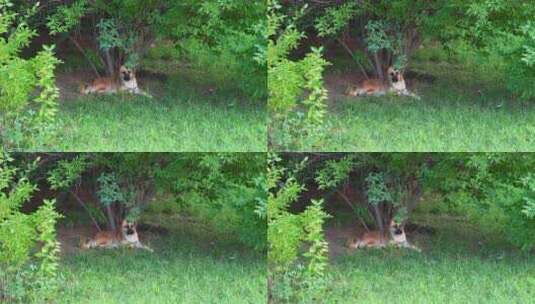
126, 74
128, 228
351, 90
396, 228
84, 89
84, 242
352, 242
394, 74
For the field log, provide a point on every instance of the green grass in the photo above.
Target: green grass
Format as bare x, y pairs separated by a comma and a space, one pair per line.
190, 112
462, 110
187, 267
458, 265
111, 125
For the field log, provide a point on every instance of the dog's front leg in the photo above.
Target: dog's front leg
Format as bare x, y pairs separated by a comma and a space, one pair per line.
138, 245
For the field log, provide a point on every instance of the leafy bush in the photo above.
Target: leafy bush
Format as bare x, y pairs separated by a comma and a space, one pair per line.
224, 38
297, 95
503, 28
28, 94
494, 190
297, 255
28, 246
225, 190
391, 183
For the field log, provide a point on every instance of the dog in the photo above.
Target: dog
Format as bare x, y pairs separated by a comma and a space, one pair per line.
126, 236
125, 81
375, 239
398, 85
375, 87
399, 238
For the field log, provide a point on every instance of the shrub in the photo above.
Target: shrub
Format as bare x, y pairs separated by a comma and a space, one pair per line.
297, 95
297, 255
28, 98
227, 191
28, 246
494, 190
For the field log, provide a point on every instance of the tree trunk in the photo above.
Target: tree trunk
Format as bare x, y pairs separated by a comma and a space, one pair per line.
109, 62
111, 218
378, 67
415, 194
379, 218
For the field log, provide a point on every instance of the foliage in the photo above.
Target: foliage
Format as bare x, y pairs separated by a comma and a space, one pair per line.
496, 28
297, 255
224, 37
67, 17
494, 190
124, 28
28, 247
28, 98
297, 95
376, 34
67, 172
392, 183
225, 190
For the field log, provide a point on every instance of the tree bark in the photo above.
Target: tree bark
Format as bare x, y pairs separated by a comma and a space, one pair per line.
109, 62
379, 218
111, 218
378, 66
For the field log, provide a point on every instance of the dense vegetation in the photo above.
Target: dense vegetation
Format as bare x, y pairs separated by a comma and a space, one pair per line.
221, 41
493, 192
224, 193
364, 38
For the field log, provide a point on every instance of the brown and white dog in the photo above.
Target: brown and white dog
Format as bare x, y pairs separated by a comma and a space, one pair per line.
375, 239
399, 238
125, 81
375, 87
126, 236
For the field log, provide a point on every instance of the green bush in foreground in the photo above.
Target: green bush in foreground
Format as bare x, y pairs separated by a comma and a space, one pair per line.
297, 94
28, 99
28, 246
296, 275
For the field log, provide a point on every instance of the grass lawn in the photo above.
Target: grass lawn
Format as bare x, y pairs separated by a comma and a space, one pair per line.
189, 265
111, 125
461, 110
458, 265
189, 113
